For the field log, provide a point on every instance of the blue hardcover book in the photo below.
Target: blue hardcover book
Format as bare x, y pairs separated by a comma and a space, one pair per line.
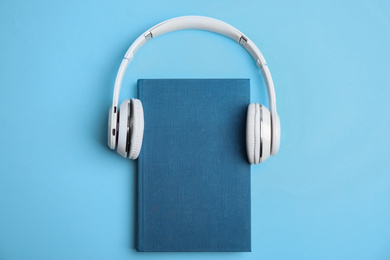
193, 173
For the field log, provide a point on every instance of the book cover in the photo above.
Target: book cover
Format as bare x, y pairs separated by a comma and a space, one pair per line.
193, 174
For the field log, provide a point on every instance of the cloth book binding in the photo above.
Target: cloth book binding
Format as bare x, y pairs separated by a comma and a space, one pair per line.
193, 174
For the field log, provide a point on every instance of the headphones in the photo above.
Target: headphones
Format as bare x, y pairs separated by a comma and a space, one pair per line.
126, 124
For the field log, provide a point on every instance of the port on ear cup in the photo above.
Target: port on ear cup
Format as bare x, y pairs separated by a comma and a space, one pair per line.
136, 128
258, 133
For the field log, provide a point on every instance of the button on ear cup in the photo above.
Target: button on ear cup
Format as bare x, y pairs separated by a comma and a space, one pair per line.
258, 133
136, 128
124, 128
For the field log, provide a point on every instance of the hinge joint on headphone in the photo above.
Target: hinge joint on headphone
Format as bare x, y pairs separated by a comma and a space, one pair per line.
243, 40
148, 36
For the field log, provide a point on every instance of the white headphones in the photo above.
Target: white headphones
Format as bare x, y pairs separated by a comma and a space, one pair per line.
126, 124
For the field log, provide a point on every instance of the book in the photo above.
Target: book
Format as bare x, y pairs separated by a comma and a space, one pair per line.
193, 181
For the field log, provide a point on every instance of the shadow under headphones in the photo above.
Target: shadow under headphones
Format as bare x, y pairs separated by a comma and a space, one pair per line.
126, 124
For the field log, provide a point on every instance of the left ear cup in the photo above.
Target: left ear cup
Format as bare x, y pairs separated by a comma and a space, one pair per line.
258, 133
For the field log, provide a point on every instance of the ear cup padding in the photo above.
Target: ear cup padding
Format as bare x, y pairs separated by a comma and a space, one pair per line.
136, 128
123, 128
258, 133
253, 133
265, 133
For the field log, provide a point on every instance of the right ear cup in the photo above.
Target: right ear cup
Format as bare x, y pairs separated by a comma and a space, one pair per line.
258, 133
130, 128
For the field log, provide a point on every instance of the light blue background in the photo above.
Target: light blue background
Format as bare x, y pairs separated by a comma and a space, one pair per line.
65, 195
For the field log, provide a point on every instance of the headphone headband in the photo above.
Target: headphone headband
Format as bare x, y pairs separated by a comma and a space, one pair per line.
206, 24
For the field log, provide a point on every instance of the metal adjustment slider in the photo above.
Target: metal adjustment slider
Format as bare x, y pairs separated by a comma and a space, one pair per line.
260, 65
148, 36
243, 40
